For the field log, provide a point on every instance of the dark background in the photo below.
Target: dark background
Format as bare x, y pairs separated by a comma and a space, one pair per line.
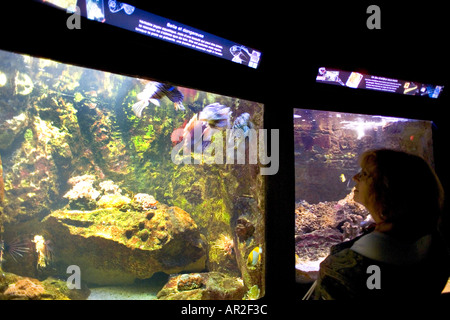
295, 38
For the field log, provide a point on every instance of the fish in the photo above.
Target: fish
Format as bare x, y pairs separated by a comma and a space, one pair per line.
216, 115
243, 122
153, 92
15, 248
254, 257
200, 126
45, 253
194, 132
240, 129
177, 134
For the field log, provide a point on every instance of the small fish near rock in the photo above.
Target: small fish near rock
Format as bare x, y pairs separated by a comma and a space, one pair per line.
254, 257
198, 131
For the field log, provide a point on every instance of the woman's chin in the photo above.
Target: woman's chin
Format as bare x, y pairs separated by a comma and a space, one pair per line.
356, 196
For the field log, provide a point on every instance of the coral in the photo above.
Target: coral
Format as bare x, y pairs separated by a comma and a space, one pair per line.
14, 287
224, 244
82, 188
147, 201
189, 282
310, 217
108, 187
24, 289
84, 196
320, 226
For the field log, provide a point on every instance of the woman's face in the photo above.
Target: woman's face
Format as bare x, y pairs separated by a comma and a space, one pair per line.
362, 191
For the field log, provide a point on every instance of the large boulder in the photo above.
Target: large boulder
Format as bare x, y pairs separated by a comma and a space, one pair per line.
203, 286
14, 287
114, 247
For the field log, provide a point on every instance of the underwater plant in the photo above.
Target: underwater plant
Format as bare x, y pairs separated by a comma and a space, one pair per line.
225, 244
253, 293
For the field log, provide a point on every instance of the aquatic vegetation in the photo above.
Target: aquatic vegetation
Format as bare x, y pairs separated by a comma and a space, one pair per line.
224, 244
28, 135
252, 294
23, 84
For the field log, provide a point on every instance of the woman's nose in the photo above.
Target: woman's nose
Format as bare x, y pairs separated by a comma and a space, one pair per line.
356, 177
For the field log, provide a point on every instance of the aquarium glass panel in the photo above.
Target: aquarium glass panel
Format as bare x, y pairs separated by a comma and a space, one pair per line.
327, 147
114, 187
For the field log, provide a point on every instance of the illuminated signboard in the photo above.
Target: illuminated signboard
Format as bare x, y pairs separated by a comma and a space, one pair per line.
128, 17
364, 81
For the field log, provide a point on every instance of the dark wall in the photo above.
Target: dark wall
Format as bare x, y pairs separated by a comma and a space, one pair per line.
295, 41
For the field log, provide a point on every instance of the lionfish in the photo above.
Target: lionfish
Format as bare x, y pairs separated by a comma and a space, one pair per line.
45, 252
15, 249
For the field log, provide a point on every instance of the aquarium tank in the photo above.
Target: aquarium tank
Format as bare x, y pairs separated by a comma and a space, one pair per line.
112, 187
327, 147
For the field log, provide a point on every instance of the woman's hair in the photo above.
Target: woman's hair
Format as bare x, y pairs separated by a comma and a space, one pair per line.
404, 190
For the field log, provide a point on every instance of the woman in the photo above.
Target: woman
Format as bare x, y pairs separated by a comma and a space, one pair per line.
404, 257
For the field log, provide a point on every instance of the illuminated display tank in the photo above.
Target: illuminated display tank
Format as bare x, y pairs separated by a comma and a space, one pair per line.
108, 191
327, 147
